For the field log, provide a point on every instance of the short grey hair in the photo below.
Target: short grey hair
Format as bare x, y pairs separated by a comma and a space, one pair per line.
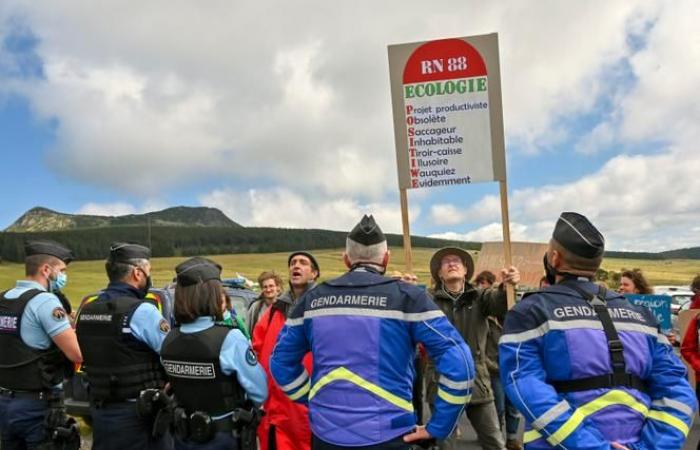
371, 254
119, 271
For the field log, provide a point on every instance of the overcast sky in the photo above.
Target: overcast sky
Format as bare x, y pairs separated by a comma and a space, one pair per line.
279, 113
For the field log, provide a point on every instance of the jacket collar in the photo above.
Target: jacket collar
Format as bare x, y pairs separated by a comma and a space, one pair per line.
289, 298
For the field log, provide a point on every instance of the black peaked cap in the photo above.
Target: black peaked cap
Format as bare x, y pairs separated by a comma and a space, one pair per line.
578, 235
126, 252
197, 270
48, 247
367, 232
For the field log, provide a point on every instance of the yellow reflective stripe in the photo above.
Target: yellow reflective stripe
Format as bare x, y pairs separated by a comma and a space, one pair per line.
530, 436
669, 419
569, 426
85, 301
611, 398
158, 301
301, 392
454, 399
343, 374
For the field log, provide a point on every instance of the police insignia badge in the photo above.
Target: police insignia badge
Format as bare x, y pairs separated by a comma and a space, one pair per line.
164, 326
250, 357
58, 313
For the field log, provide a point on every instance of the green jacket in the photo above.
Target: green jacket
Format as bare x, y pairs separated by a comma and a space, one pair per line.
469, 314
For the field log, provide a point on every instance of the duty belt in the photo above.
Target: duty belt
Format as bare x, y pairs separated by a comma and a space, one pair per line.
28, 395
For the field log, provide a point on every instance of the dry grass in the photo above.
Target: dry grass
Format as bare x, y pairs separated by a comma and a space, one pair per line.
86, 277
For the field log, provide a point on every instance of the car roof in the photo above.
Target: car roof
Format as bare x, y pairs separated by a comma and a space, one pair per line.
672, 290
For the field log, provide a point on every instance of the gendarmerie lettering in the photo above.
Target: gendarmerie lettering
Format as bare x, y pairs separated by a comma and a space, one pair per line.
349, 300
585, 311
185, 369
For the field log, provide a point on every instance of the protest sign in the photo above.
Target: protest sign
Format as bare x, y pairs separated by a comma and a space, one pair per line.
660, 306
526, 256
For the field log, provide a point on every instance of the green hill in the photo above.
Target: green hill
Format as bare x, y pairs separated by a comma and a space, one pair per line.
186, 231
41, 219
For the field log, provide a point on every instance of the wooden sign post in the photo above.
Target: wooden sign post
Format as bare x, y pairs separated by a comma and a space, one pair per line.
505, 220
448, 119
408, 255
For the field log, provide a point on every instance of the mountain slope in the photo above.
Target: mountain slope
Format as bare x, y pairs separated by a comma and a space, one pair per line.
42, 219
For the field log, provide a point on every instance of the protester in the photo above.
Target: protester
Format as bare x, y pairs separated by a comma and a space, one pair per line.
362, 328
587, 368
468, 309
485, 279
507, 413
35, 340
695, 287
286, 424
200, 300
120, 334
270, 285
634, 282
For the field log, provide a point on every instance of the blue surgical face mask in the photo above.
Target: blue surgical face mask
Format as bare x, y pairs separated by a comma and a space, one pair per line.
227, 314
59, 282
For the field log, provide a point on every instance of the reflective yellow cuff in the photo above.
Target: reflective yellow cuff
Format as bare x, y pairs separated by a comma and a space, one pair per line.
577, 417
669, 419
454, 399
531, 436
301, 392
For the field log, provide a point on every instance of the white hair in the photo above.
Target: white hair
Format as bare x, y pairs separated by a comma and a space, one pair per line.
359, 253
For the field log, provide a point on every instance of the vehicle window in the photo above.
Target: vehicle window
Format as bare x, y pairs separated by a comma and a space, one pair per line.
238, 304
681, 299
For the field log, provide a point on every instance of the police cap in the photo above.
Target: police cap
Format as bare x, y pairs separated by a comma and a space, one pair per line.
577, 234
48, 247
126, 252
367, 232
197, 270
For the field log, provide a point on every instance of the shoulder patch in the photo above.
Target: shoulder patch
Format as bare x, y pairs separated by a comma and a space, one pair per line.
58, 313
164, 326
250, 357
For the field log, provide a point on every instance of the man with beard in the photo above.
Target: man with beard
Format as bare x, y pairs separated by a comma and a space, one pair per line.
468, 309
285, 425
120, 334
35, 339
588, 369
362, 329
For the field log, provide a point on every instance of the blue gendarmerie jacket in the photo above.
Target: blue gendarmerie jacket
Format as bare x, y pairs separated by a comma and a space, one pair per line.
362, 329
554, 336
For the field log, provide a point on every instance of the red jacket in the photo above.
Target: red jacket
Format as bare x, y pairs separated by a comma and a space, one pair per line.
289, 418
690, 349
695, 302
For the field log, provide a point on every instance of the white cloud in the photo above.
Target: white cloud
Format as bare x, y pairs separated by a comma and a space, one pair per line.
160, 94
119, 208
282, 207
644, 202
240, 91
106, 209
535, 232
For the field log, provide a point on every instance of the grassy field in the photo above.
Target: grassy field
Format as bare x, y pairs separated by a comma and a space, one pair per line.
85, 277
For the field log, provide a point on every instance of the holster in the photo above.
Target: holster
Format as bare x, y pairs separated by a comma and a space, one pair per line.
157, 405
62, 431
246, 423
